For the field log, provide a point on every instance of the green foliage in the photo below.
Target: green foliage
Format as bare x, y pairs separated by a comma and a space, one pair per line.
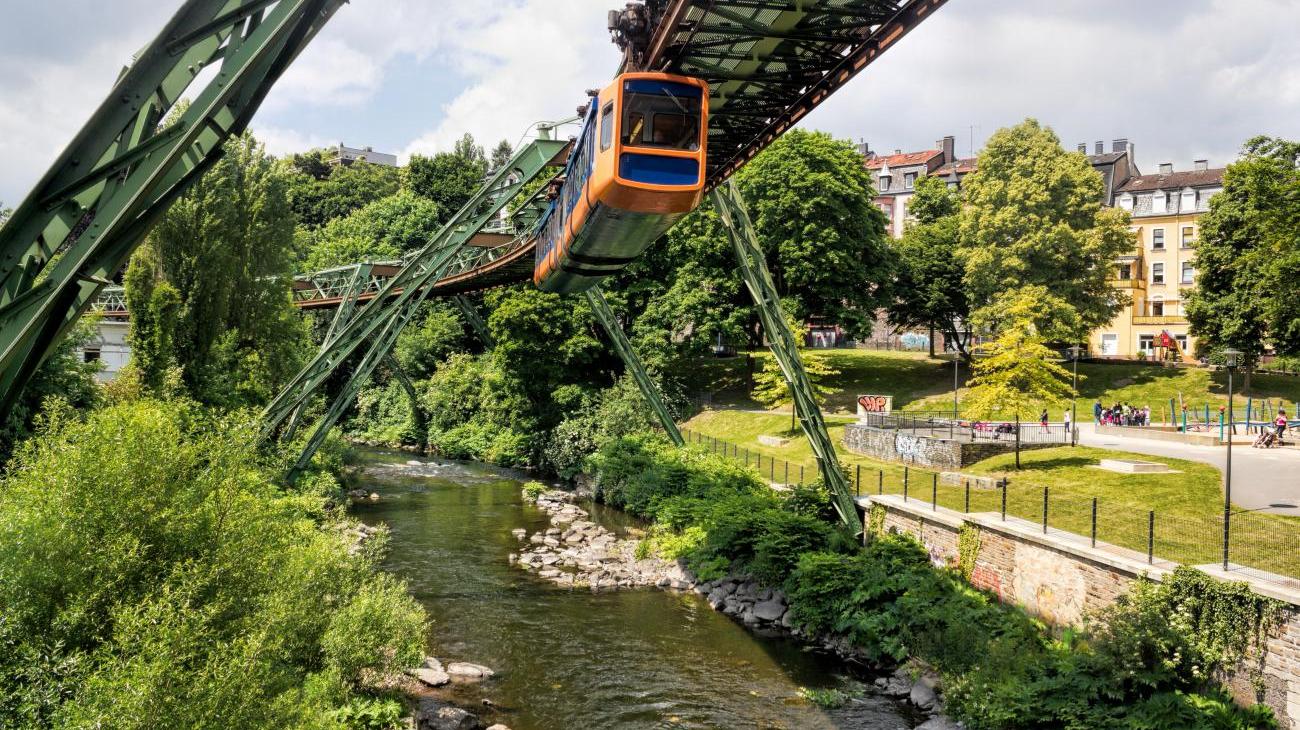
379, 231
968, 549
931, 286
424, 344
151, 575
811, 202
1247, 256
449, 179
1019, 371
64, 380
770, 386
371, 713
1033, 215
383, 415
320, 192
209, 290
826, 698
533, 490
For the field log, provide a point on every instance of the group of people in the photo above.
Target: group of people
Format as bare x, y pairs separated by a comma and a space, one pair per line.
1121, 414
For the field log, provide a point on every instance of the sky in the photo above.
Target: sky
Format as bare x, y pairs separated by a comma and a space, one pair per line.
1181, 79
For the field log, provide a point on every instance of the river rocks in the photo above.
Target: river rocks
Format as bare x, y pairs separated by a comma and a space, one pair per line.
431, 677
938, 723
361, 495
434, 715
770, 610
922, 695
519, 533
468, 670
498, 726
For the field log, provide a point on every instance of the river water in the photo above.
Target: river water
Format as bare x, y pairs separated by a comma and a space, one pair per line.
573, 659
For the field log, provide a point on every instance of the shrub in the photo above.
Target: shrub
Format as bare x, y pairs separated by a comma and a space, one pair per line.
152, 575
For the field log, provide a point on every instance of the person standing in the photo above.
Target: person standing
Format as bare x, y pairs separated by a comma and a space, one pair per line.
1280, 423
1042, 419
1096, 411
1069, 426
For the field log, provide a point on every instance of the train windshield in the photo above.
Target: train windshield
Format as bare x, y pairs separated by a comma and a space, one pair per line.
666, 121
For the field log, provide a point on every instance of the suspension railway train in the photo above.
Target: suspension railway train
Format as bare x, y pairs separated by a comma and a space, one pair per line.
637, 167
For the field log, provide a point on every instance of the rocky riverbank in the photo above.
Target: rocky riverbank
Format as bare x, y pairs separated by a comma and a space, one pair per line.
575, 552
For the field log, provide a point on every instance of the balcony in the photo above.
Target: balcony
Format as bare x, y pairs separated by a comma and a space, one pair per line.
1128, 283
1168, 319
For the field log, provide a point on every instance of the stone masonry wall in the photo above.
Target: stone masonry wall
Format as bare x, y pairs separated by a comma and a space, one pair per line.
1061, 579
891, 445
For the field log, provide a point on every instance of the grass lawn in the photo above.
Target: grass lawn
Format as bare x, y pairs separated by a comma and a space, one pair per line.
920, 383
1188, 504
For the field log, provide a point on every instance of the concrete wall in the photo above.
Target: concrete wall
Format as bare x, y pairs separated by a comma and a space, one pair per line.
1060, 578
891, 445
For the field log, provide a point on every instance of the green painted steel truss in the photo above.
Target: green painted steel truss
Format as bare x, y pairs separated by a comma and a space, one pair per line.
758, 280
136, 154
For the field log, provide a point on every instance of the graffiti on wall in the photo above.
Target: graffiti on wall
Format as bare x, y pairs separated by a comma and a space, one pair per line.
875, 404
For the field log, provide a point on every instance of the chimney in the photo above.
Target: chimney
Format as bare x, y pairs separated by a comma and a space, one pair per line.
1083, 147
1201, 165
864, 149
1101, 147
1166, 168
1119, 145
949, 146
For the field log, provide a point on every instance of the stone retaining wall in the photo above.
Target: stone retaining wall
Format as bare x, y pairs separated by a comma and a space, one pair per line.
1060, 578
891, 445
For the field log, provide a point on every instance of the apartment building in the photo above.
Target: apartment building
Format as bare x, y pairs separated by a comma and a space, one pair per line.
1158, 273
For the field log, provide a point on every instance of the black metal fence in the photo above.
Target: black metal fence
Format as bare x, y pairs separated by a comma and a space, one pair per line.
936, 426
1264, 546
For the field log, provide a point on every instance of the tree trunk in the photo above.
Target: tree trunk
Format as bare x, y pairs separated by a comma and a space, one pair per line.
932, 340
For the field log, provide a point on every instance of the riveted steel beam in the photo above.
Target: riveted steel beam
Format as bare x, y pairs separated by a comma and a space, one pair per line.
758, 280
605, 315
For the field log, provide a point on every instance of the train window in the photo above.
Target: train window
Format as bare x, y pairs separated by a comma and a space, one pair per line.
607, 126
674, 122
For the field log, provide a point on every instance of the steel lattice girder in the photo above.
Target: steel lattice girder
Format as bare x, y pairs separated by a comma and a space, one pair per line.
476, 323
758, 280
82, 221
623, 347
411, 283
770, 62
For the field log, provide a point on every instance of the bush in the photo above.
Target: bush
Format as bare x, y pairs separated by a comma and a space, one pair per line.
152, 575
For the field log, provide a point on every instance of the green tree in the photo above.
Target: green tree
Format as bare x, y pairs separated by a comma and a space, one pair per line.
381, 231
65, 378
770, 386
320, 192
210, 286
154, 576
501, 154
449, 179
931, 286
1018, 372
431, 340
1033, 214
811, 202
1248, 255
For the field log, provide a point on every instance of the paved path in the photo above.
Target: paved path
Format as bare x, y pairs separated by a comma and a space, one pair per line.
1260, 477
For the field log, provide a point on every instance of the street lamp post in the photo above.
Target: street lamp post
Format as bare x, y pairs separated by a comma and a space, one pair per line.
956, 362
1075, 352
1231, 359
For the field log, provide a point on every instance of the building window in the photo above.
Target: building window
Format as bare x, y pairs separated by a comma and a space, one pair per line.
1182, 343
1188, 236
909, 180
1158, 239
884, 183
1157, 308
1189, 273
1125, 272
1146, 343
90, 356
1109, 345
1157, 273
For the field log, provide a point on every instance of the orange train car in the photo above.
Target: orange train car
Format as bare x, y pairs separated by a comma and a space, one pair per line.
637, 167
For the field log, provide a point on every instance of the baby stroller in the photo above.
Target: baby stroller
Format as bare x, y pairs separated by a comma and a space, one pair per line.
1266, 440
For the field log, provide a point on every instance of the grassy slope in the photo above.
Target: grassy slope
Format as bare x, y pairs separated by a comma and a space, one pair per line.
918, 382
1187, 503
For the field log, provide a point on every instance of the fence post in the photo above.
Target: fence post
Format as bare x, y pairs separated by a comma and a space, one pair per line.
967, 497
880, 489
934, 493
904, 484
801, 474
1044, 510
771, 468
858, 481
1151, 536
1004, 499
1094, 522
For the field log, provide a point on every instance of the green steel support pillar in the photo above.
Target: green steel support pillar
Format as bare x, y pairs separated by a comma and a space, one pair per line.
414, 398
753, 270
428, 266
475, 320
380, 349
651, 393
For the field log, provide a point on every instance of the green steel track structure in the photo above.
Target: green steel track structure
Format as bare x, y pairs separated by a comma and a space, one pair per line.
475, 320
78, 226
605, 315
758, 280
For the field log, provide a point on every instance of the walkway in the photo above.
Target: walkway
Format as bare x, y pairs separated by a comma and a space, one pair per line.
1260, 477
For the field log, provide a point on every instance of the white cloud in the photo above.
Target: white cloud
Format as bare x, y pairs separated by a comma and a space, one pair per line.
280, 142
529, 64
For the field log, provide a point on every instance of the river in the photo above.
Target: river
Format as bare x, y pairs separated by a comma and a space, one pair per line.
570, 659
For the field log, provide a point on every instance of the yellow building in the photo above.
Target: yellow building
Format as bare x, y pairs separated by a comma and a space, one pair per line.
1157, 275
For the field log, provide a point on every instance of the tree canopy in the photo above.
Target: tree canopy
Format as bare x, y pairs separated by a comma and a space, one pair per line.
320, 192
931, 283
1033, 214
209, 289
1248, 255
449, 179
381, 231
